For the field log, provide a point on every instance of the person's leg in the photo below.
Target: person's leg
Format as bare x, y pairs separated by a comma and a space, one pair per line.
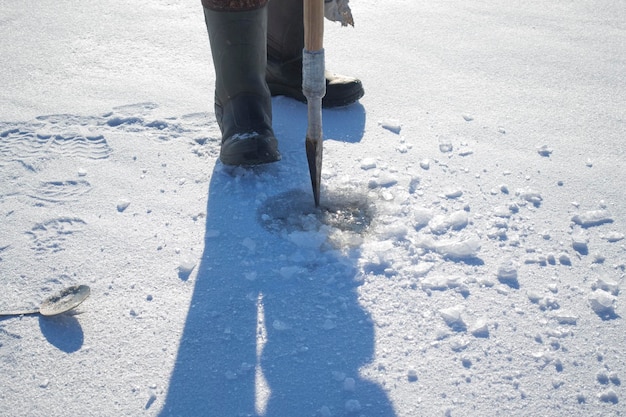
243, 109
285, 41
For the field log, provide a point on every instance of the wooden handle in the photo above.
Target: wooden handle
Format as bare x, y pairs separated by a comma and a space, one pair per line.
313, 25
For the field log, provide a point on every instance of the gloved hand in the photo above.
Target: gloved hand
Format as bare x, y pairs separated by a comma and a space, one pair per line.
338, 11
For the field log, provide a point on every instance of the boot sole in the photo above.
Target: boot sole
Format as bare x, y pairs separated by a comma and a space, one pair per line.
250, 152
327, 102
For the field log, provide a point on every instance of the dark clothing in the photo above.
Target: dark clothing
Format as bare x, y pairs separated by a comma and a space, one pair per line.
233, 5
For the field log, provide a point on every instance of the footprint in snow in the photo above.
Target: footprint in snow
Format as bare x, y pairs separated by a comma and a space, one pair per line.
51, 235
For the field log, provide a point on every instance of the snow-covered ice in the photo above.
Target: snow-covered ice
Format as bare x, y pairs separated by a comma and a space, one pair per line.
468, 257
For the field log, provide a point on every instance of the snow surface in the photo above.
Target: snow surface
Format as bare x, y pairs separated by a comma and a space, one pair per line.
468, 260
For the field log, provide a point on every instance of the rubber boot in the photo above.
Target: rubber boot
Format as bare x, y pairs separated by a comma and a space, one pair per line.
285, 41
243, 106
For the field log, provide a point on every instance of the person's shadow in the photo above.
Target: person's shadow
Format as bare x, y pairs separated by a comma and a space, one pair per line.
274, 326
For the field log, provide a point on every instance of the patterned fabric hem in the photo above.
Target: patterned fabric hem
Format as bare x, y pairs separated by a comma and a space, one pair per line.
233, 5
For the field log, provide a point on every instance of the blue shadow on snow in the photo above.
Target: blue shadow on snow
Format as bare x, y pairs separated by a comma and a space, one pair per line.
62, 331
315, 333
344, 124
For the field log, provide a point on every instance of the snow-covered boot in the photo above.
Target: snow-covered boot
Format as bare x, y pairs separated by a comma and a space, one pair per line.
243, 108
285, 41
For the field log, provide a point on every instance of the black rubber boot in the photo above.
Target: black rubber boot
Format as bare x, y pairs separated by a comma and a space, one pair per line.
285, 40
243, 106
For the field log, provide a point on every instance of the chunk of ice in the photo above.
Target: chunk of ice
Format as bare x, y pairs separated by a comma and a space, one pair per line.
593, 218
